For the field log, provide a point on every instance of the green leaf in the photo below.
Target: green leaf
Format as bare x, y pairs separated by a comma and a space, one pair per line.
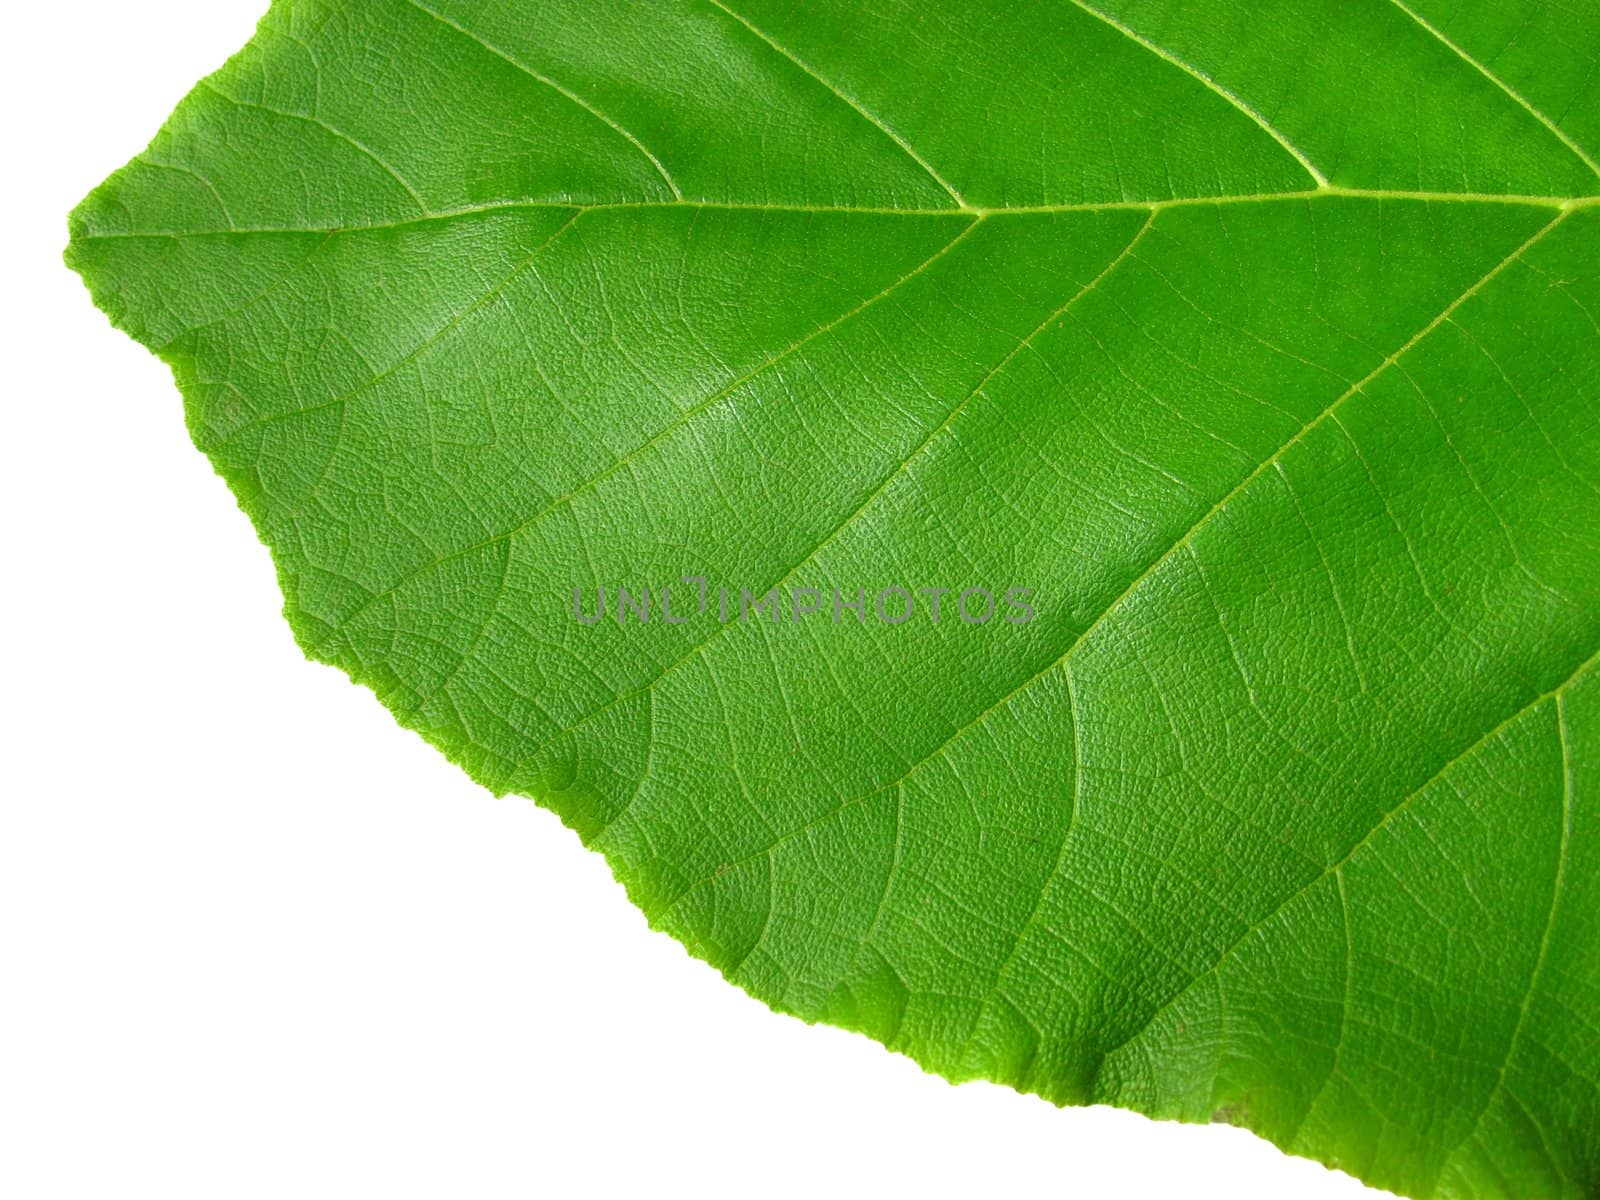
1261, 347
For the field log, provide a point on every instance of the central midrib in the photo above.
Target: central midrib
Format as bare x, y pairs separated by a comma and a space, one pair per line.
1309, 194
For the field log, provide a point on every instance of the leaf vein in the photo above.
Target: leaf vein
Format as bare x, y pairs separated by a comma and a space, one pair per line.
682, 421
860, 109
560, 89
887, 480
1520, 100
1261, 923
1234, 100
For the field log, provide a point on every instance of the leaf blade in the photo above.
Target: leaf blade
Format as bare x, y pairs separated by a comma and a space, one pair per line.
1304, 474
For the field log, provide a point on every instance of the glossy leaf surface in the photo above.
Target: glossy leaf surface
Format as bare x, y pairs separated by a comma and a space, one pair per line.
1259, 347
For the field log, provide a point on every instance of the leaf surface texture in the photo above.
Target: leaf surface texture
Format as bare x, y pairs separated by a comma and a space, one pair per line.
1262, 345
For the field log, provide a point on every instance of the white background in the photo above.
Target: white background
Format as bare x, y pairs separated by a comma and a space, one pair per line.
256, 940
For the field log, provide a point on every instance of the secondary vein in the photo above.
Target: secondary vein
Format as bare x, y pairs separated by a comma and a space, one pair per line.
1505, 87
1212, 85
